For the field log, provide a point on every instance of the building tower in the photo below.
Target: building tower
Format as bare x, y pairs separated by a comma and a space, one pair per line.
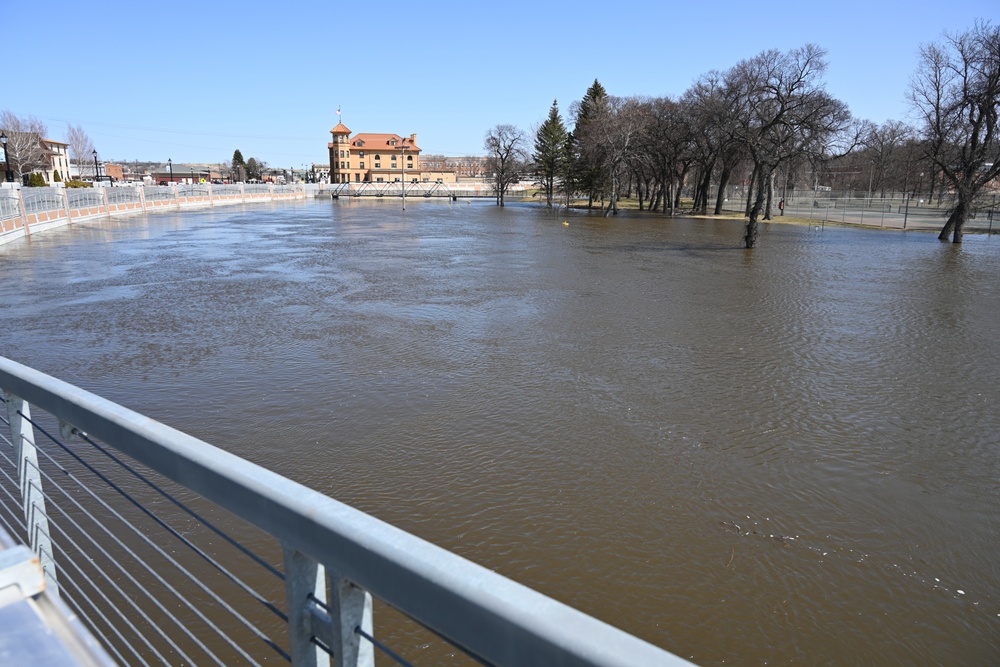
340, 154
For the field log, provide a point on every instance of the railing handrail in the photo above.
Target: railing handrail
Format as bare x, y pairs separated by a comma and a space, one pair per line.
494, 617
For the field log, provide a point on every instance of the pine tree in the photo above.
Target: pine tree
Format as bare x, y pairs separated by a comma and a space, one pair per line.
239, 166
586, 174
56, 177
550, 151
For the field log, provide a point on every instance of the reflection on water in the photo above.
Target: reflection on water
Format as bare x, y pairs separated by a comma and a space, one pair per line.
788, 455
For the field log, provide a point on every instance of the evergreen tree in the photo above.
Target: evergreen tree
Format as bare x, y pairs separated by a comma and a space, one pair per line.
239, 166
253, 169
586, 170
56, 177
550, 151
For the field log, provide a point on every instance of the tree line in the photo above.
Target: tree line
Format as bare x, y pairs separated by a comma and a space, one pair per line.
768, 122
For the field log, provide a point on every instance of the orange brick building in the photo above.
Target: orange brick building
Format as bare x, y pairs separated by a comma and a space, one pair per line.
378, 158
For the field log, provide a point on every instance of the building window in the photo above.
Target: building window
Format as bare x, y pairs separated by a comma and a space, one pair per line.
357, 178
361, 153
378, 157
409, 158
362, 166
341, 164
377, 165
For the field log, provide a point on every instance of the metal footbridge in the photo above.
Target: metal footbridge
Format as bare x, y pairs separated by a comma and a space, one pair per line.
170, 550
453, 191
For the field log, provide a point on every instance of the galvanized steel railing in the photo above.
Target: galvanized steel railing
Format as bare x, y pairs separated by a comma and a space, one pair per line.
132, 522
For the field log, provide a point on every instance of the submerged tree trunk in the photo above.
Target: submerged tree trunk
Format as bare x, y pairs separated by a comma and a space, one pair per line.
750, 237
702, 204
956, 221
720, 198
754, 178
770, 196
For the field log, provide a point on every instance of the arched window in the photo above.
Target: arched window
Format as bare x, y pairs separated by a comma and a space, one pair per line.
378, 157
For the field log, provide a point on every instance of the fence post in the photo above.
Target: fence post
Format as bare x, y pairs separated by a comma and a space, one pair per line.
22, 435
65, 195
24, 213
107, 203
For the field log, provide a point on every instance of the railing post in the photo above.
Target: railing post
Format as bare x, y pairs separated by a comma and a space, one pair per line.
351, 608
333, 623
30, 479
24, 213
303, 577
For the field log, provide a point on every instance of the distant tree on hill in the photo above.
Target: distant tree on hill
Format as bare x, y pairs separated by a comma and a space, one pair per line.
550, 151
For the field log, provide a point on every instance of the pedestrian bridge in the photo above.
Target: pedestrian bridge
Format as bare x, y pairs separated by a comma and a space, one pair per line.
452, 191
24, 211
173, 551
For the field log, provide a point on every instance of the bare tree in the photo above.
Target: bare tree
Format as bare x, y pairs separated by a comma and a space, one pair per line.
80, 148
505, 145
24, 142
781, 113
956, 91
610, 140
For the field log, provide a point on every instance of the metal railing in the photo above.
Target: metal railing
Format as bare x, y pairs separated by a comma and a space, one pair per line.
132, 521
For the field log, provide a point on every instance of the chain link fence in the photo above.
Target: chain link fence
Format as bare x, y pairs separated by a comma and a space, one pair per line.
895, 212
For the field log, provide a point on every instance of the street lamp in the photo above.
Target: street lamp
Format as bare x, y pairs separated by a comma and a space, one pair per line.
170, 163
97, 171
6, 160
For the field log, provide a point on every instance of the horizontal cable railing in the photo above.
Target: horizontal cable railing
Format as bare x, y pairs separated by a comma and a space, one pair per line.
175, 551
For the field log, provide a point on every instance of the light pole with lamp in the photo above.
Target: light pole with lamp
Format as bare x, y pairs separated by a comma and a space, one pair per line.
9, 177
170, 163
97, 172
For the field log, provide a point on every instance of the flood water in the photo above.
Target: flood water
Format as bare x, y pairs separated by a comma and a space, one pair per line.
783, 456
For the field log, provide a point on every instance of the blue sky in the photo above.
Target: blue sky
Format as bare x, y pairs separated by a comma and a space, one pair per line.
195, 81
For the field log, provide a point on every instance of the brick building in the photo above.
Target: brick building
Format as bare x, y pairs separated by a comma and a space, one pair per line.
379, 158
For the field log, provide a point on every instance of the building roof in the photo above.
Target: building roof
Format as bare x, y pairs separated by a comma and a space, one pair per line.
340, 129
373, 142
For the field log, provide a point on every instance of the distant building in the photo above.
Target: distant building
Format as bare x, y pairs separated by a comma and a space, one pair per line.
46, 158
379, 158
56, 156
469, 167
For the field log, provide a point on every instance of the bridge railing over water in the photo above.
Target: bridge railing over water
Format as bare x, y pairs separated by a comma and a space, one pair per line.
132, 521
26, 209
412, 189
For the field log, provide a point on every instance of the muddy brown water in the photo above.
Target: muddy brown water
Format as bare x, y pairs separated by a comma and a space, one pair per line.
783, 456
